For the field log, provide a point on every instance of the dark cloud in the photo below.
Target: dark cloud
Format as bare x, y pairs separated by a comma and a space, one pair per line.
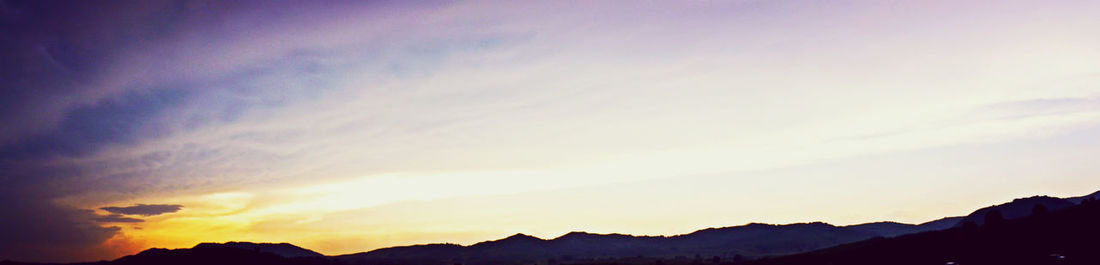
56, 56
117, 218
52, 52
53, 57
144, 209
80, 76
34, 229
86, 129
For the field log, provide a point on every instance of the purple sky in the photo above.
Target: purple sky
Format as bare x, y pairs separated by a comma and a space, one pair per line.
136, 124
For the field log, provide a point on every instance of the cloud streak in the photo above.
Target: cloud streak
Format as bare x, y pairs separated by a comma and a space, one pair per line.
311, 109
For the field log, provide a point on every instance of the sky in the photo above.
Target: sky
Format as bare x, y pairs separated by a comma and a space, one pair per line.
346, 126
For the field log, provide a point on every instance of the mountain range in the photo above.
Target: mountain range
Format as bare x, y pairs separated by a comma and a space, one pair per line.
746, 240
1064, 237
280, 249
736, 243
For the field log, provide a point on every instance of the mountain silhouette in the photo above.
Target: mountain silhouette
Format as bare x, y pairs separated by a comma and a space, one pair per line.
1025, 228
1078, 200
893, 229
1018, 208
747, 241
752, 240
214, 254
941, 224
280, 249
1064, 237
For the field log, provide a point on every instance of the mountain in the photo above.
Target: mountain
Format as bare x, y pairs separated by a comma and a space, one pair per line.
893, 229
766, 239
945, 239
886, 229
1018, 208
941, 224
213, 254
1065, 237
280, 249
752, 240
1078, 200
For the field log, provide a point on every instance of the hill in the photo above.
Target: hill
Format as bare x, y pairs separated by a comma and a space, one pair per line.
280, 249
750, 240
1066, 236
893, 229
1018, 208
210, 254
1054, 225
1078, 200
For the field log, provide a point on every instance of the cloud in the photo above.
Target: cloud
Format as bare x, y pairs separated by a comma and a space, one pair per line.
123, 114
144, 209
117, 218
34, 229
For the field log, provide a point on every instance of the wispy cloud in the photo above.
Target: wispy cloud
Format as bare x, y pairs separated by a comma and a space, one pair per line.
302, 110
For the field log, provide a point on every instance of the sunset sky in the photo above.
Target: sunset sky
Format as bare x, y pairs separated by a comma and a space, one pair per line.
345, 126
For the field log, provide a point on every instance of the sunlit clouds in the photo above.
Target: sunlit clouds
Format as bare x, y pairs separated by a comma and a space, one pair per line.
352, 126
